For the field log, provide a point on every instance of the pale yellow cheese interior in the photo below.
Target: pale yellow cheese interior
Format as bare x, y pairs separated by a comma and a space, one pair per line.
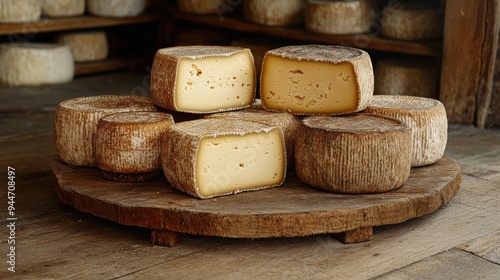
215, 82
308, 87
232, 163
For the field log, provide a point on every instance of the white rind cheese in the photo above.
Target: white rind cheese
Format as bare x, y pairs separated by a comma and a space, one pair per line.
63, 8
76, 123
34, 64
86, 45
424, 116
274, 13
202, 7
116, 8
214, 157
203, 79
354, 154
316, 79
19, 11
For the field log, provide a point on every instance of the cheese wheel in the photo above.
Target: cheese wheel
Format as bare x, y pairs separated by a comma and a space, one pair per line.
203, 79
274, 13
116, 8
214, 157
354, 154
63, 8
76, 123
339, 17
316, 79
412, 22
425, 117
86, 46
34, 64
202, 7
127, 146
18, 11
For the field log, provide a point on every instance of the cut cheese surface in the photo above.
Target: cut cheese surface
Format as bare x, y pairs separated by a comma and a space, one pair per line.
63, 8
18, 11
274, 13
116, 8
316, 80
86, 46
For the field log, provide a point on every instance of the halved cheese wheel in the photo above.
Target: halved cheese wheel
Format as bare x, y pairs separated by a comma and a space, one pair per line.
116, 8
86, 45
63, 8
274, 13
202, 7
18, 11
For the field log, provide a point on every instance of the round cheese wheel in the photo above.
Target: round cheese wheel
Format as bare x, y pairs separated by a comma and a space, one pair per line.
116, 8
202, 7
86, 45
354, 154
425, 117
127, 146
18, 11
274, 13
63, 8
339, 17
33, 64
76, 123
407, 76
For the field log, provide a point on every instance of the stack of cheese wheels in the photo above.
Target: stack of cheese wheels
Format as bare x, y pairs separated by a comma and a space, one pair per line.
86, 45
202, 7
76, 123
274, 13
33, 64
316, 79
425, 117
63, 8
116, 8
339, 17
127, 146
214, 157
203, 79
354, 154
18, 11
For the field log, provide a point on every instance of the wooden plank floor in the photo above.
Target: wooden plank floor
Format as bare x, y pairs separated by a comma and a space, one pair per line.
459, 241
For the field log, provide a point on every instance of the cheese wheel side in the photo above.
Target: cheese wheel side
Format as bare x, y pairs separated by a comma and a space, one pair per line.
19, 11
63, 8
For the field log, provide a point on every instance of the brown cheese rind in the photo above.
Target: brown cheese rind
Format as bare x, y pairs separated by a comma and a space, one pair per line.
274, 13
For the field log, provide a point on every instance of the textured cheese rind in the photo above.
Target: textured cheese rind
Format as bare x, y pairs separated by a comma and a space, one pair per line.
426, 119
354, 154
33, 64
274, 13
76, 123
201, 7
18, 11
412, 22
168, 68
339, 17
356, 59
116, 8
181, 147
63, 8
86, 46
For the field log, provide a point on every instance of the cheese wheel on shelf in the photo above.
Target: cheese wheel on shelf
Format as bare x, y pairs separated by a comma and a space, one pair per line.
203, 79
76, 123
339, 17
33, 64
316, 79
201, 7
426, 119
116, 8
86, 45
274, 13
214, 157
19, 11
353, 154
127, 145
63, 8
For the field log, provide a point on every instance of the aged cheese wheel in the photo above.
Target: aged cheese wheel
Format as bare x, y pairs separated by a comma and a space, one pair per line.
33, 64
18, 11
127, 145
425, 117
203, 79
76, 123
86, 45
116, 8
412, 21
63, 8
339, 17
202, 7
316, 79
213, 157
407, 76
354, 154
274, 13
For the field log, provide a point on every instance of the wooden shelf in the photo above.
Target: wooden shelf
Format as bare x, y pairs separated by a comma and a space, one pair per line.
110, 64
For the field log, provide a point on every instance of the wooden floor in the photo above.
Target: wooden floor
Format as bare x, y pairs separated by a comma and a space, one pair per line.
461, 240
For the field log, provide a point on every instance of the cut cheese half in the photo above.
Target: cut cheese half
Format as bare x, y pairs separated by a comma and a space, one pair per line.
19, 11
316, 79
63, 8
203, 79
214, 157
425, 117
202, 7
116, 8
86, 46
357, 153
274, 13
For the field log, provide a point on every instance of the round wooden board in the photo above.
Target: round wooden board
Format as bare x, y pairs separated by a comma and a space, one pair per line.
293, 209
